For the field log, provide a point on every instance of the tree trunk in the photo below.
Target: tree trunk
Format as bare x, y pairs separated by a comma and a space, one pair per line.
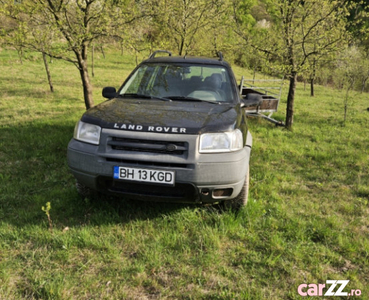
102, 51
121, 47
346, 101
313, 76
364, 84
92, 61
312, 87
181, 47
48, 72
87, 86
20, 54
290, 100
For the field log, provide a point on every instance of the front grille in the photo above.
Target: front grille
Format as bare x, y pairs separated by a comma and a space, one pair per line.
150, 146
181, 192
153, 164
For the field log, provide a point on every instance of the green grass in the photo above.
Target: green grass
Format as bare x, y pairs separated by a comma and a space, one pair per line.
306, 220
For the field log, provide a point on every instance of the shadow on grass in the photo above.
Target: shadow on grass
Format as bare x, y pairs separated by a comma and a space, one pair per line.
109, 209
34, 171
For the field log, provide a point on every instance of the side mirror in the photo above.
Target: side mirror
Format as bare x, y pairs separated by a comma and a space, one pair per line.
109, 92
251, 100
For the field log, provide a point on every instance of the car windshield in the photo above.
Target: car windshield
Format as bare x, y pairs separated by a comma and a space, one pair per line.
180, 82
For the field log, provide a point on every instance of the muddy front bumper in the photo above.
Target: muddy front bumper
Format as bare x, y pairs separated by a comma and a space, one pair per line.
199, 178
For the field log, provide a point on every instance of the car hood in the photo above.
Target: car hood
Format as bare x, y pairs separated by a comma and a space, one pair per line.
164, 116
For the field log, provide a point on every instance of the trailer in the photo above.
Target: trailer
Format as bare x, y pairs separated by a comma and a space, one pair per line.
267, 92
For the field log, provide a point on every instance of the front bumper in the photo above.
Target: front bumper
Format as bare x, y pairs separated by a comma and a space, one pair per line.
199, 178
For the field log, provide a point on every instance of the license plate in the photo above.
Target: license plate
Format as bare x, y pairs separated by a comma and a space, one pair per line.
144, 175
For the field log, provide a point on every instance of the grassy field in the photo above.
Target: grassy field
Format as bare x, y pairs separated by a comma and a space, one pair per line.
307, 220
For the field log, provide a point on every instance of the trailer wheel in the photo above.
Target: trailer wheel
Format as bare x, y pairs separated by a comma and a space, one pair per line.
253, 99
254, 96
241, 200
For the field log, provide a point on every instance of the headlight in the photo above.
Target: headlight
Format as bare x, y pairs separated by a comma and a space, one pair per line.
88, 133
221, 142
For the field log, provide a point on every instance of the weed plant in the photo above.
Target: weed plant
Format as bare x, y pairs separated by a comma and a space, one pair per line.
306, 220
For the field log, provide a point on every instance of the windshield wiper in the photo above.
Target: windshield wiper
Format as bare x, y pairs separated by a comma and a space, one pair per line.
184, 98
134, 95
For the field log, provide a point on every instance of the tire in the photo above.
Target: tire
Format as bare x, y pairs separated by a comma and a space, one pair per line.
253, 99
241, 200
254, 96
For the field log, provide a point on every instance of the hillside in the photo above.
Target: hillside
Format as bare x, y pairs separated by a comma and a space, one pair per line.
307, 219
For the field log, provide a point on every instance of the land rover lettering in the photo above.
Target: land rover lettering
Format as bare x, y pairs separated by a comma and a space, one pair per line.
166, 129
159, 129
128, 127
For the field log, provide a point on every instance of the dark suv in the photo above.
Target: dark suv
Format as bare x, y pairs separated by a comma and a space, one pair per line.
174, 131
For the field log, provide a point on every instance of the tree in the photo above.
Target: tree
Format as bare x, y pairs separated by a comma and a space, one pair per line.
74, 25
182, 21
299, 31
364, 70
323, 50
22, 32
347, 70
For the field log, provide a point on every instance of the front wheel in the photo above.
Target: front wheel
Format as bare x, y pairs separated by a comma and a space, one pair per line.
241, 200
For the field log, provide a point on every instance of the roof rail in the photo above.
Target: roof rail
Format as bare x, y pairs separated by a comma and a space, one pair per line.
159, 51
220, 55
